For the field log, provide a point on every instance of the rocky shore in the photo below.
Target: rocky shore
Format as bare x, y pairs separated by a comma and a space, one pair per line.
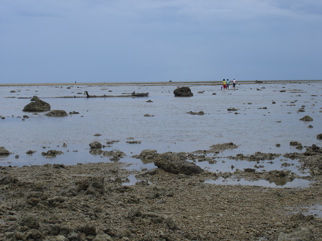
172, 202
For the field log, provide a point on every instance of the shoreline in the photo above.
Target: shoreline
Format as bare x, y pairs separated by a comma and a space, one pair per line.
173, 83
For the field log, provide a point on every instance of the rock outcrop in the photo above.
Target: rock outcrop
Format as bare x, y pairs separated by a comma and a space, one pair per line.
4, 151
182, 92
306, 118
37, 105
171, 162
57, 113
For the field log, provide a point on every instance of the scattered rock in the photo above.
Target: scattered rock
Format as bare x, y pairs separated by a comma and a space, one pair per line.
96, 145
306, 118
182, 92
196, 113
114, 155
147, 156
37, 105
232, 109
51, 153
133, 142
74, 112
30, 152
57, 113
319, 136
222, 147
298, 145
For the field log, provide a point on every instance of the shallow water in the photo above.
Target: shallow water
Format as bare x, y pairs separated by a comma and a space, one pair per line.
252, 127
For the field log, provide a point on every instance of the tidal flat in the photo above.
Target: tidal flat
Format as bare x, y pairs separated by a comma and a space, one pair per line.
261, 162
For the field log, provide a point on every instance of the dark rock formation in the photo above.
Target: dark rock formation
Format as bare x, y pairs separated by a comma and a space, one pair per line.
51, 153
57, 113
172, 163
37, 105
114, 155
4, 151
182, 92
96, 145
307, 118
147, 156
196, 113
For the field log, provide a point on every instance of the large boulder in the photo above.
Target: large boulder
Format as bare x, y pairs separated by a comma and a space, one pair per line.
4, 151
57, 113
171, 162
182, 92
37, 105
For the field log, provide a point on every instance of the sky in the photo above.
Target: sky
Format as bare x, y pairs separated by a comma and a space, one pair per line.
62, 41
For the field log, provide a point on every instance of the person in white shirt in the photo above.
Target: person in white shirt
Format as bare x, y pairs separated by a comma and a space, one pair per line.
234, 83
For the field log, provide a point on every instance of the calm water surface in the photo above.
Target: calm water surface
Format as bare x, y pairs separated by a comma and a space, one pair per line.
265, 116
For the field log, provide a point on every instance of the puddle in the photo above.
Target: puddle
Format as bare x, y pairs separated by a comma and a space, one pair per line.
302, 183
315, 210
131, 181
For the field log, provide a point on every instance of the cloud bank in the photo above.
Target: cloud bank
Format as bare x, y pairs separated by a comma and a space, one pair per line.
159, 40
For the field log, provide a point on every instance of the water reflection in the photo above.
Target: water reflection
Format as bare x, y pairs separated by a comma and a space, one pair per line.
297, 182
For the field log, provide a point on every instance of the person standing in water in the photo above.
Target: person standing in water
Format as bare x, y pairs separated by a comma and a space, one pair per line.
224, 84
227, 82
234, 83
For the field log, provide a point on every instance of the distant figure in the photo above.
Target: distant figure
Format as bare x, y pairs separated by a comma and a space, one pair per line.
224, 84
234, 83
86, 93
227, 82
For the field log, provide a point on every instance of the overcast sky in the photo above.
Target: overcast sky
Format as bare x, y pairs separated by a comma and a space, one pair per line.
56, 41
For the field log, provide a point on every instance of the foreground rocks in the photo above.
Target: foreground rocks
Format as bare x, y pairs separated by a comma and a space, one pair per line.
95, 202
172, 163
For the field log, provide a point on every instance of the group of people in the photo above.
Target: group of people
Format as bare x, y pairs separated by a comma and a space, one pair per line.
226, 83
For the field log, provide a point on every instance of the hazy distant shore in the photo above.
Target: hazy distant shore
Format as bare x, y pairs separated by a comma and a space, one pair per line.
174, 83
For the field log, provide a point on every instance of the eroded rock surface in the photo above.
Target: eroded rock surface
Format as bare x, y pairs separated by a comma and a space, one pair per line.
4, 151
182, 92
57, 113
37, 105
